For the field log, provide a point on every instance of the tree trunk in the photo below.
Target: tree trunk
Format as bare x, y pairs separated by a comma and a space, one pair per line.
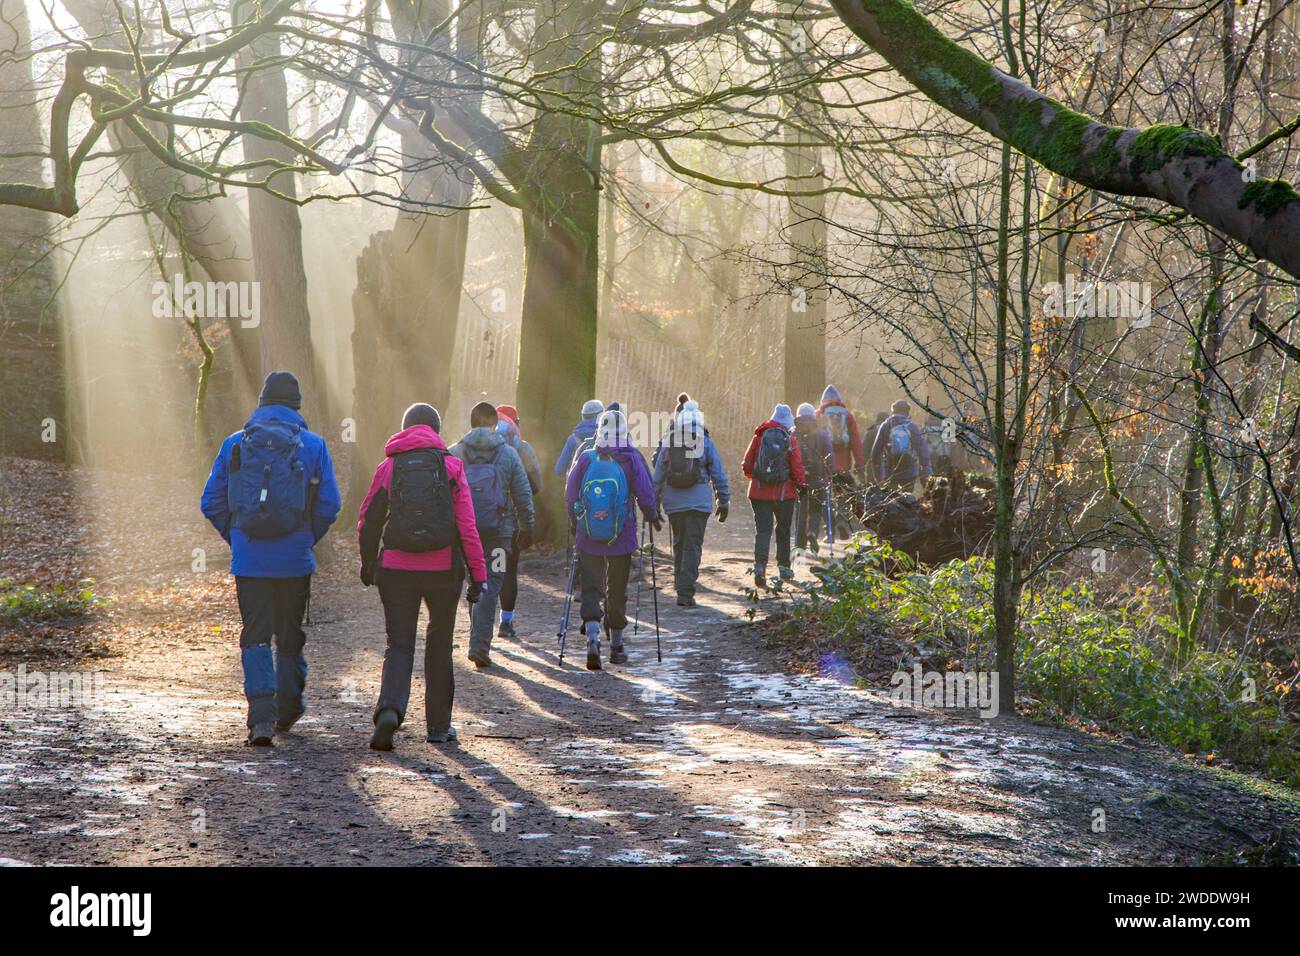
32, 355
805, 315
284, 330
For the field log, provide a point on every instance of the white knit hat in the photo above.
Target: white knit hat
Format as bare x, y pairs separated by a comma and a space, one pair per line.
591, 408
806, 411
783, 416
611, 430
690, 417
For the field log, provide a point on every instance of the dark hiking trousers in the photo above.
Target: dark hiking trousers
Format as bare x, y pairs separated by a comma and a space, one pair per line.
275, 677
688, 546
767, 514
496, 551
402, 593
510, 583
812, 512
604, 582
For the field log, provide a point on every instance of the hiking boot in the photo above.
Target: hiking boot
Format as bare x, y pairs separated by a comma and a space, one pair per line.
813, 546
686, 600
593, 645
480, 658
760, 577
506, 629
285, 724
261, 735
385, 726
787, 574
617, 655
442, 737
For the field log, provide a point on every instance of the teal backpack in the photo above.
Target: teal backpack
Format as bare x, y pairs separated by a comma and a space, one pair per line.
602, 502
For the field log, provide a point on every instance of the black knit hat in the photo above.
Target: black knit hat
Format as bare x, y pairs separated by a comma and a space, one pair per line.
422, 414
485, 414
281, 388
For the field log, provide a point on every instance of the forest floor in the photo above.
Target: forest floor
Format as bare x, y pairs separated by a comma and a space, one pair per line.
716, 755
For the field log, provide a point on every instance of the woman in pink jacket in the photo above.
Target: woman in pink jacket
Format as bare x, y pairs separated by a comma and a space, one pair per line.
416, 531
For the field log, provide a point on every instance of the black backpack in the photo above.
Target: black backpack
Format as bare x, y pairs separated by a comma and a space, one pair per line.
683, 466
421, 515
772, 466
814, 464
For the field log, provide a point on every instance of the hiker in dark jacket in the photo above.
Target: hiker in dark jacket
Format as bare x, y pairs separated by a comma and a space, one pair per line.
606, 564
688, 477
900, 454
501, 492
408, 579
818, 465
773, 500
508, 425
582, 432
271, 524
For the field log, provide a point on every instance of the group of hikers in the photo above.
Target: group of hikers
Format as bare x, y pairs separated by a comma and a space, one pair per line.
437, 518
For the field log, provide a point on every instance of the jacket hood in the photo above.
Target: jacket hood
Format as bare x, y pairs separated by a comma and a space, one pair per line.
409, 439
831, 396
766, 425
585, 428
620, 453
276, 413
483, 440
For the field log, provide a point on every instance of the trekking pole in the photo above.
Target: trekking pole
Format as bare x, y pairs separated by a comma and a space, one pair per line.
830, 525
640, 574
800, 531
568, 604
654, 592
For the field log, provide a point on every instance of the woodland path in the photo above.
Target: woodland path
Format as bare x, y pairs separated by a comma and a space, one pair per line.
715, 755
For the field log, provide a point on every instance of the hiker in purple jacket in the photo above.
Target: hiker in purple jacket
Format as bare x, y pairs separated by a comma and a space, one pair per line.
605, 566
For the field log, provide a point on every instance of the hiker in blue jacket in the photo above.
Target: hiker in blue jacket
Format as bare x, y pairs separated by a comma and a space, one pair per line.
503, 503
605, 486
272, 495
900, 454
689, 475
582, 433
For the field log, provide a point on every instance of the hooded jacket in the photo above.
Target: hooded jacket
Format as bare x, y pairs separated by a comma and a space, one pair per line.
711, 482
532, 467
815, 449
640, 492
289, 556
846, 459
581, 432
374, 512
918, 464
790, 488
480, 444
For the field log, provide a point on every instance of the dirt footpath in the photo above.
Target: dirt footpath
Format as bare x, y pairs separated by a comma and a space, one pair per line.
713, 756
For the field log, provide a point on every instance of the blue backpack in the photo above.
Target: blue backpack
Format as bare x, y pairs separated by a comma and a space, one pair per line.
267, 489
602, 501
487, 490
900, 444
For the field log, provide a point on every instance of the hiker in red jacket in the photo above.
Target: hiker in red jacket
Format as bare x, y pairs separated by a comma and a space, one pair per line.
404, 509
774, 468
849, 456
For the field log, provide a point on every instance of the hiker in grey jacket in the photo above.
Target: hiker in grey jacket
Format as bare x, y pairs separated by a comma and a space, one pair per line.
502, 497
508, 425
688, 499
900, 460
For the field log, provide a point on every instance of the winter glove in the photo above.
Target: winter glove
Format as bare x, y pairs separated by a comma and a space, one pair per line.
723, 511
367, 573
474, 592
657, 522
524, 539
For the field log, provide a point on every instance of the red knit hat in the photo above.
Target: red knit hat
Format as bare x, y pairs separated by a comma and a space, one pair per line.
509, 411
